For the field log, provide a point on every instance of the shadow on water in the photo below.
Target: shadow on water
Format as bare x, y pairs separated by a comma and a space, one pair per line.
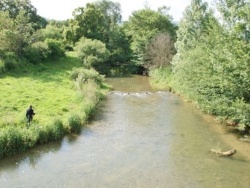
32, 156
44, 72
133, 83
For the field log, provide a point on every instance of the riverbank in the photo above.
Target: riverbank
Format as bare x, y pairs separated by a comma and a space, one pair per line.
233, 113
134, 140
63, 95
230, 136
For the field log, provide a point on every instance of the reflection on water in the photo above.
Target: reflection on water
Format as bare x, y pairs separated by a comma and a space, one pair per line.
138, 139
130, 84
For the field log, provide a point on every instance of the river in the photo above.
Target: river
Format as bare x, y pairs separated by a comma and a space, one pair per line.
138, 138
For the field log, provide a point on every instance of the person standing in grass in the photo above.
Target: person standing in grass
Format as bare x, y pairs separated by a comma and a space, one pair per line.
29, 114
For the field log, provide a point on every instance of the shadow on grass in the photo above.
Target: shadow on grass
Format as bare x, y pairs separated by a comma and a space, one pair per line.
45, 72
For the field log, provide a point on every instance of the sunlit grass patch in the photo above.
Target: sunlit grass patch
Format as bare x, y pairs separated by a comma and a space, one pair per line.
161, 78
62, 103
47, 87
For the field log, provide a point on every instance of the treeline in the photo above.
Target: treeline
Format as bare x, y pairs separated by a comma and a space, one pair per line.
212, 63
96, 32
205, 58
26, 36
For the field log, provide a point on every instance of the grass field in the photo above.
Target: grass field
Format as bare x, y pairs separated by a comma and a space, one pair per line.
47, 87
62, 104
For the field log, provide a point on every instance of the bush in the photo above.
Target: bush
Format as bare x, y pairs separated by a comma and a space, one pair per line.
161, 77
57, 130
93, 52
8, 61
2, 66
75, 123
51, 132
10, 141
29, 138
42, 134
56, 48
83, 75
89, 109
242, 114
10, 64
37, 52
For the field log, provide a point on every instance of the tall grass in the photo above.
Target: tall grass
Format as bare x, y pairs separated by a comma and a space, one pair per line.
161, 78
61, 106
2, 66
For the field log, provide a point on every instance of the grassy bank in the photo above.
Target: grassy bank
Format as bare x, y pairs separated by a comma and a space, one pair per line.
161, 78
63, 98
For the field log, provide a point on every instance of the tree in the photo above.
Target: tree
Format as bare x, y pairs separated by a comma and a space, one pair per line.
95, 21
193, 25
160, 51
143, 26
15, 7
93, 53
111, 11
6, 31
212, 63
51, 31
119, 47
69, 32
89, 22
192, 70
116, 41
14, 33
236, 17
101, 21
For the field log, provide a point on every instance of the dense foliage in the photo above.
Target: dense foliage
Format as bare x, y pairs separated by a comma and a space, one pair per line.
205, 58
93, 53
212, 64
26, 36
15, 7
143, 27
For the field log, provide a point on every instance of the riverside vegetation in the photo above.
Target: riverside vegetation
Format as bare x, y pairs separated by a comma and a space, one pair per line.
63, 94
64, 88
203, 58
212, 65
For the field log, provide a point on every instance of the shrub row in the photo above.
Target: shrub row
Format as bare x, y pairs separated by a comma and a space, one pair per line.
16, 139
226, 109
41, 51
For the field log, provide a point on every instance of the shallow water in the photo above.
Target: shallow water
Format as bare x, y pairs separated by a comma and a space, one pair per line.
138, 138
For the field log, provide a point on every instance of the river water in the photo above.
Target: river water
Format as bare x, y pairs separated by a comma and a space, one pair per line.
138, 138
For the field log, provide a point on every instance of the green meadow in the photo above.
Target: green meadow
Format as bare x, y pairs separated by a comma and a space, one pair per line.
62, 102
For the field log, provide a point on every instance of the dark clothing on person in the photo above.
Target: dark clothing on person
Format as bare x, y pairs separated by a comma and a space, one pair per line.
29, 114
